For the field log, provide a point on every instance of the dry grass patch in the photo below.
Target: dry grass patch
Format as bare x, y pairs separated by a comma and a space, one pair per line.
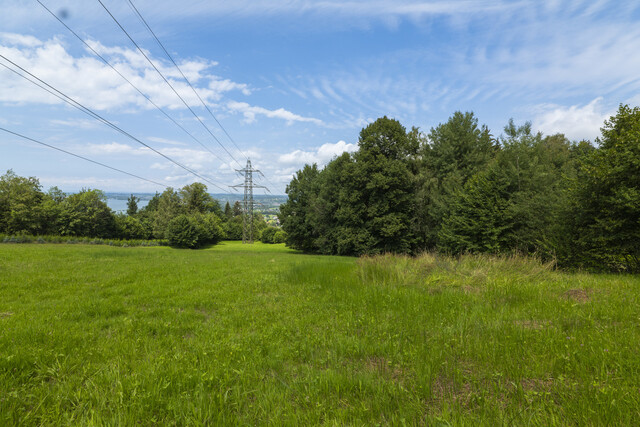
384, 368
578, 295
533, 324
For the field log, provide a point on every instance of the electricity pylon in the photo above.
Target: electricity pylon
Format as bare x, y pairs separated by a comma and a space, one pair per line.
248, 204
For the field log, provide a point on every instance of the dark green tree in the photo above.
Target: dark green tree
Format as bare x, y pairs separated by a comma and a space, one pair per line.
605, 219
451, 154
382, 187
232, 229
237, 209
294, 214
515, 203
132, 205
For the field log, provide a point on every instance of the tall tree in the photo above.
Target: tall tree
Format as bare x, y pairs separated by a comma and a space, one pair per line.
606, 198
453, 152
196, 199
20, 204
515, 202
132, 205
384, 180
169, 206
294, 214
237, 209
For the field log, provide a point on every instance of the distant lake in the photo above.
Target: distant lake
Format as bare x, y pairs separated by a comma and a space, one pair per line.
120, 205
268, 203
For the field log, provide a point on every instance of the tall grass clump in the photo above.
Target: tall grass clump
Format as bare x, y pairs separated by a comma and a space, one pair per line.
392, 269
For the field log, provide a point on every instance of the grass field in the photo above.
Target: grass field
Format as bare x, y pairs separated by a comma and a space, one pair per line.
238, 334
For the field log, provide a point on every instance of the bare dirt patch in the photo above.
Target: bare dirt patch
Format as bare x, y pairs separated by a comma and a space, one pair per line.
471, 290
445, 389
533, 324
537, 384
384, 368
578, 295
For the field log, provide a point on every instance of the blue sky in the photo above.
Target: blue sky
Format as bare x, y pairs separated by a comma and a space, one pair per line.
293, 82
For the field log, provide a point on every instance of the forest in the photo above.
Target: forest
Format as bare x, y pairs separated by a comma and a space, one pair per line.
189, 217
458, 189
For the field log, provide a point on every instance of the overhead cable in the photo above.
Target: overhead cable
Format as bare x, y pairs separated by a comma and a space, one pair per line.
96, 116
129, 81
185, 77
167, 82
81, 157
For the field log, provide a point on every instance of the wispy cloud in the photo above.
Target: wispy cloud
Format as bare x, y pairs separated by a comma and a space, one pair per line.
250, 112
165, 141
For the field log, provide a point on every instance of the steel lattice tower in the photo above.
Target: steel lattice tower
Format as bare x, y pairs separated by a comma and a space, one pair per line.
248, 203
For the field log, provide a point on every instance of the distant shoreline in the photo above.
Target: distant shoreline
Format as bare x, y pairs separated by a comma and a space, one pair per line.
118, 201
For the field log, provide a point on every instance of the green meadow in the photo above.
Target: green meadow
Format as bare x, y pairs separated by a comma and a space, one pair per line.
259, 334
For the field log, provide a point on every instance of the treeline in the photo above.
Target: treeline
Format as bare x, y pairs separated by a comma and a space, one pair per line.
458, 189
188, 217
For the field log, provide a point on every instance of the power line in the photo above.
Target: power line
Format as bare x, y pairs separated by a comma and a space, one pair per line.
96, 116
81, 157
167, 82
185, 77
191, 86
128, 81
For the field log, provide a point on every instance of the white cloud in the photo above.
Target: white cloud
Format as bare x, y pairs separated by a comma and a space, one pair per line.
250, 113
92, 83
321, 156
575, 122
19, 40
193, 159
227, 85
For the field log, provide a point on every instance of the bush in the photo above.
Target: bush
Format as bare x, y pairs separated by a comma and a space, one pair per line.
184, 232
280, 236
211, 226
129, 227
233, 229
267, 234
194, 231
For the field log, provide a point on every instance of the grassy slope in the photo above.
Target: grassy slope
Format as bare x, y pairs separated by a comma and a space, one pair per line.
244, 335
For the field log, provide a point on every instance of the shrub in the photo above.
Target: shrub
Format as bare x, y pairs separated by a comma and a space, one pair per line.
211, 227
194, 231
280, 236
267, 234
184, 232
129, 227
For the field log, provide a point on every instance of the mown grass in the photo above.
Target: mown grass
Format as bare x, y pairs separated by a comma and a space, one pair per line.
259, 334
